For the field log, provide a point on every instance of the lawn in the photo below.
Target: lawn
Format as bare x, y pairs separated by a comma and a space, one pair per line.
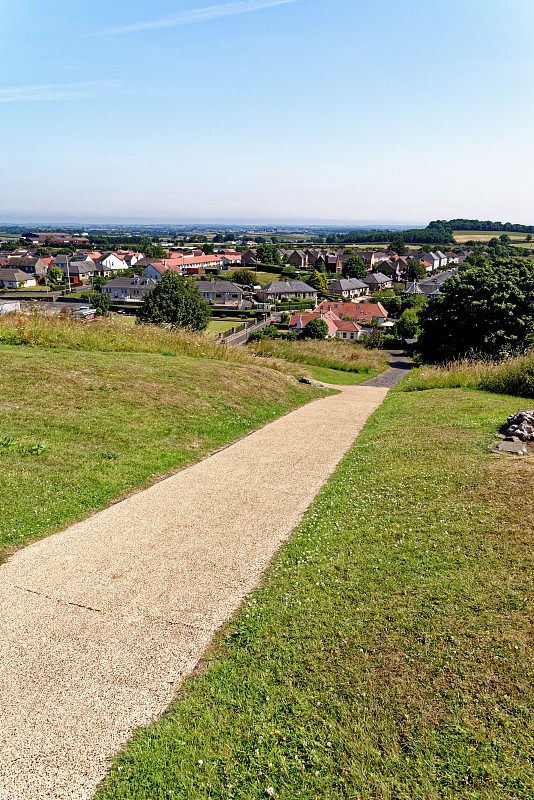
218, 325
388, 653
262, 278
80, 428
339, 377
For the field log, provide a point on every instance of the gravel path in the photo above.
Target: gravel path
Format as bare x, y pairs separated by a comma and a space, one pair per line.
399, 368
99, 624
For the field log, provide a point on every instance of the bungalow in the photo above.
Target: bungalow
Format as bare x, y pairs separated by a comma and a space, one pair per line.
286, 290
79, 271
16, 279
221, 293
362, 313
230, 257
128, 289
184, 265
348, 288
377, 280
337, 328
30, 265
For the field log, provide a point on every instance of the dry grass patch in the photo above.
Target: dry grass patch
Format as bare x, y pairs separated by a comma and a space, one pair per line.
330, 354
510, 376
118, 334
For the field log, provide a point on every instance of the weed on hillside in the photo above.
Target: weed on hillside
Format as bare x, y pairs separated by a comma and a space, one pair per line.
510, 376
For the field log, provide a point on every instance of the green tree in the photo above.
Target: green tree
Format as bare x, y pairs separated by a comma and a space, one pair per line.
354, 268
486, 310
268, 254
415, 270
55, 274
176, 301
408, 324
100, 301
208, 249
99, 281
319, 281
244, 277
398, 246
315, 328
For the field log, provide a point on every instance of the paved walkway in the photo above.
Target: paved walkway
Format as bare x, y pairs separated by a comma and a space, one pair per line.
100, 623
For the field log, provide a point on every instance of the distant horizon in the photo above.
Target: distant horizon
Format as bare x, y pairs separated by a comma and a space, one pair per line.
266, 112
218, 222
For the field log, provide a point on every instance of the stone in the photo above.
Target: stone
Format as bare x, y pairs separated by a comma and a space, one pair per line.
521, 425
311, 382
518, 448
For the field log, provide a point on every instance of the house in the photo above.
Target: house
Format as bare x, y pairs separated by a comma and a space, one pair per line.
110, 262
433, 260
30, 265
337, 328
452, 258
298, 259
79, 271
333, 262
393, 269
419, 288
348, 288
230, 257
248, 258
363, 313
128, 289
286, 290
222, 293
183, 265
16, 279
377, 280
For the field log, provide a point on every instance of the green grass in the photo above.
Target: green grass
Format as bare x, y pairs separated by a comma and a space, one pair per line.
78, 429
340, 377
388, 653
218, 325
262, 278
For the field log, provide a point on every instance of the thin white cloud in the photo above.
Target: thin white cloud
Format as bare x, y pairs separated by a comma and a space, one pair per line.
59, 91
200, 15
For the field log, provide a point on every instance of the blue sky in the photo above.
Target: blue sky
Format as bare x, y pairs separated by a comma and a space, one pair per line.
272, 110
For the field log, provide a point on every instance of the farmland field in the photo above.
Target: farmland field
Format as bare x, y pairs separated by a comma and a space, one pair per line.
485, 236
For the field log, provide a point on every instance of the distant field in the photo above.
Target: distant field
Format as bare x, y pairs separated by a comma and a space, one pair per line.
485, 236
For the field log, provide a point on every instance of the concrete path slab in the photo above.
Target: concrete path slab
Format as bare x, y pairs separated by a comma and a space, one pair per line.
99, 624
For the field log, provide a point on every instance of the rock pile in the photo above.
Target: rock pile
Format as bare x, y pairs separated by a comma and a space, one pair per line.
521, 426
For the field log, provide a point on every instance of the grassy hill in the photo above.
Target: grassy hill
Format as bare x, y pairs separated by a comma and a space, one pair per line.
388, 652
88, 414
